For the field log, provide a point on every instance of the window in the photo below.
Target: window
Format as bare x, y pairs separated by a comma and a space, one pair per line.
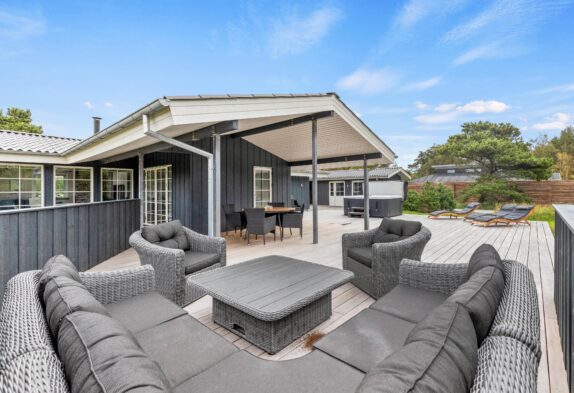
157, 192
357, 188
72, 185
262, 186
117, 184
337, 188
20, 186
450, 171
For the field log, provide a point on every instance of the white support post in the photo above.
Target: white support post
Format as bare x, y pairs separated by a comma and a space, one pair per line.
141, 189
366, 193
315, 182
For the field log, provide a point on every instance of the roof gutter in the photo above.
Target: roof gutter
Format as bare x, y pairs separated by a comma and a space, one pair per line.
154, 106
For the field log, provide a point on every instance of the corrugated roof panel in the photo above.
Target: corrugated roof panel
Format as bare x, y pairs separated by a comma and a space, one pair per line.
34, 143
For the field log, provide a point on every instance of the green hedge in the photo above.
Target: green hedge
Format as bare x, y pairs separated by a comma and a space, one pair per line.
431, 197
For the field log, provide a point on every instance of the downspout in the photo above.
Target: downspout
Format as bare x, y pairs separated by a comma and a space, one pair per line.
195, 150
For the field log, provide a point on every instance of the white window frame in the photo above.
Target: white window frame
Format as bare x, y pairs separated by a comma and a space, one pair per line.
263, 169
353, 187
42, 185
116, 169
144, 200
73, 167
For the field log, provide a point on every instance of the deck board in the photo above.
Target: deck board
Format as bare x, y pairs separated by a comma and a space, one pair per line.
452, 241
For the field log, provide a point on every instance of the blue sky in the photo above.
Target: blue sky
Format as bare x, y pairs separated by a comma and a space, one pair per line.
413, 70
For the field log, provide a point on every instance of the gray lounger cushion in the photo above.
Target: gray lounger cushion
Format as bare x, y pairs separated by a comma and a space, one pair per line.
485, 255
64, 296
184, 347
408, 303
242, 372
366, 339
363, 255
100, 355
169, 235
56, 266
440, 355
196, 261
481, 295
144, 311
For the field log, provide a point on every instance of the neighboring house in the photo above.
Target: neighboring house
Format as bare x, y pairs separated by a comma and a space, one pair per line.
452, 173
335, 185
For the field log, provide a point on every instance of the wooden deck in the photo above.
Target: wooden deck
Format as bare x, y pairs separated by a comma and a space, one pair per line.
452, 241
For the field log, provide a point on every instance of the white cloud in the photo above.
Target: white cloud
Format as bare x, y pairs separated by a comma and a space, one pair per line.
88, 105
481, 106
567, 87
448, 112
480, 52
17, 27
108, 104
556, 122
294, 35
445, 107
421, 105
414, 11
367, 81
422, 85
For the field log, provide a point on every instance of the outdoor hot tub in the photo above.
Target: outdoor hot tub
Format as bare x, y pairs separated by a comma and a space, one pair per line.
379, 205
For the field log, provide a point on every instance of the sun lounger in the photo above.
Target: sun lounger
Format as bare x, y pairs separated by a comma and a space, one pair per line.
456, 212
518, 216
503, 211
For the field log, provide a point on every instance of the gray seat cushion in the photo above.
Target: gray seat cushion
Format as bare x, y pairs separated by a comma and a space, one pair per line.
184, 347
481, 295
408, 303
196, 261
244, 373
485, 255
144, 311
100, 355
64, 296
366, 339
392, 230
169, 235
439, 355
57, 266
363, 255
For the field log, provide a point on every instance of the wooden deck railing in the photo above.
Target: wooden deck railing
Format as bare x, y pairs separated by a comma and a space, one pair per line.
564, 284
87, 234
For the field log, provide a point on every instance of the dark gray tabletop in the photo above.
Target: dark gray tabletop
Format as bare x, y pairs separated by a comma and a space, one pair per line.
271, 287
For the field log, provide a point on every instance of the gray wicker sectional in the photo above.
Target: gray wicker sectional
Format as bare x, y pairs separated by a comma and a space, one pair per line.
64, 331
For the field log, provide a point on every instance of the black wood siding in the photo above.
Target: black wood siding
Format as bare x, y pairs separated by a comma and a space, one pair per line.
300, 190
87, 234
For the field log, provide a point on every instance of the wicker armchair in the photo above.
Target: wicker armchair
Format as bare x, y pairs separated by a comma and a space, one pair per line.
173, 266
378, 271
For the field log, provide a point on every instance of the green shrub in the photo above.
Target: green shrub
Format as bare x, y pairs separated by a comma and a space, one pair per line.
430, 198
492, 191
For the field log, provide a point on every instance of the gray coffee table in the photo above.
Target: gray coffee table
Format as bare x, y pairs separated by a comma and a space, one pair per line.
273, 300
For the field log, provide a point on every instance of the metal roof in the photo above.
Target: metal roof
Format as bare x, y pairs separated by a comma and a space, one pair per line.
447, 178
15, 141
350, 174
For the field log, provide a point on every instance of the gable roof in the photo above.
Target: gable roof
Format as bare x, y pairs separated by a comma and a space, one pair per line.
25, 142
375, 173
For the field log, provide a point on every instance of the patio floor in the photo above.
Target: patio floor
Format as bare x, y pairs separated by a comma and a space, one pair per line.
452, 241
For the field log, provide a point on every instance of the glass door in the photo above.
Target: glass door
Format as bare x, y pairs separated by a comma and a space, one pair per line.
157, 195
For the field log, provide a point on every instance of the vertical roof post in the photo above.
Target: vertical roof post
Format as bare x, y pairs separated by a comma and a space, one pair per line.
366, 192
315, 183
216, 183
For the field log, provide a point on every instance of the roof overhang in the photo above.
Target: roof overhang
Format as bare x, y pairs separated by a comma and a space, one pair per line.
342, 136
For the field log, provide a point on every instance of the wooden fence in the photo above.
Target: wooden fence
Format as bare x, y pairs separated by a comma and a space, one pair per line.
564, 284
541, 192
87, 234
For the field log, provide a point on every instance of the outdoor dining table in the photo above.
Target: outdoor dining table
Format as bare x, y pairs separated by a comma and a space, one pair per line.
278, 211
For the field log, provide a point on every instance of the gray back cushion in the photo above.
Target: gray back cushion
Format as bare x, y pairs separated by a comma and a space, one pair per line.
485, 255
439, 355
481, 295
392, 230
57, 266
169, 235
63, 296
100, 355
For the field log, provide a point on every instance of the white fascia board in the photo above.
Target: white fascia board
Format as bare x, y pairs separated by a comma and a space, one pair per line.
28, 158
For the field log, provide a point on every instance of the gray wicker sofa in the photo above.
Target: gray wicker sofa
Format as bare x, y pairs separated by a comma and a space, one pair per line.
375, 255
65, 331
176, 253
